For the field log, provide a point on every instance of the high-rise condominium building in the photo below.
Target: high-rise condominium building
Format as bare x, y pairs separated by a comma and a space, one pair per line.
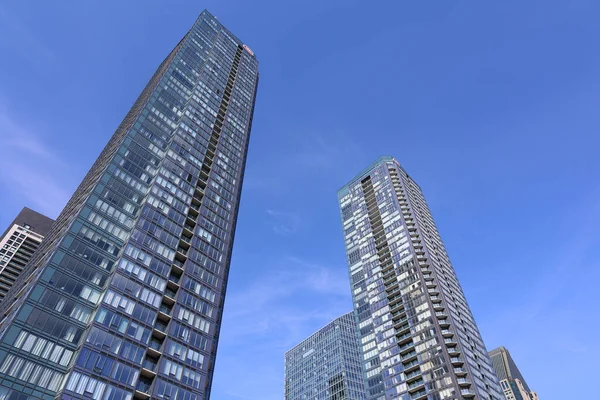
17, 244
327, 365
124, 297
418, 335
512, 382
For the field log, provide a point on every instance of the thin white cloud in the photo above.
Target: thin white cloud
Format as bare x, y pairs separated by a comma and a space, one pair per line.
14, 33
271, 303
285, 223
285, 302
322, 279
555, 309
324, 151
29, 168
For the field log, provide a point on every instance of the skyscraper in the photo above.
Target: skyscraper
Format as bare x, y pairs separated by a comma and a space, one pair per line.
512, 382
327, 365
125, 296
419, 338
17, 244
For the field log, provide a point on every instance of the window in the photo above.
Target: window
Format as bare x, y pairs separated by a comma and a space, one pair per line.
172, 369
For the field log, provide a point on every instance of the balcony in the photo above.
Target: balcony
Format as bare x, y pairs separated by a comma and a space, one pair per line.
164, 312
175, 279
444, 323
143, 388
402, 329
412, 375
160, 330
392, 289
180, 256
197, 199
450, 341
409, 356
399, 317
404, 338
171, 294
463, 382
467, 392
388, 267
460, 371
420, 395
457, 361
393, 301
391, 281
154, 348
453, 351
149, 368
406, 347
417, 385
173, 282
447, 333
410, 366
189, 228
177, 266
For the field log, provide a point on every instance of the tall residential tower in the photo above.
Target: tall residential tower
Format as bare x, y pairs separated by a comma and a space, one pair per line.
327, 365
124, 298
18, 243
512, 382
419, 338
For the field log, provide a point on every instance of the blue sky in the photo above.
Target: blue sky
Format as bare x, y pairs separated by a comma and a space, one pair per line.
491, 106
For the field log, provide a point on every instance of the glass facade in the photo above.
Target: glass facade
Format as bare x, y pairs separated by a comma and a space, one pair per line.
125, 297
327, 365
417, 333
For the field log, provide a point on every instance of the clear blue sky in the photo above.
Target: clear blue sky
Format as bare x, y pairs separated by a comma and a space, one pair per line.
492, 106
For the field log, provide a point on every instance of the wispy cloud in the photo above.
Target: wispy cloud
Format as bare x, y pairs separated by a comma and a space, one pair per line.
285, 301
29, 168
556, 309
285, 223
14, 33
263, 299
324, 151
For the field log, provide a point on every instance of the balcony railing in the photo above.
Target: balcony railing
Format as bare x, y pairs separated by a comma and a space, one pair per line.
413, 374
143, 386
150, 365
155, 344
161, 326
166, 310
415, 384
406, 346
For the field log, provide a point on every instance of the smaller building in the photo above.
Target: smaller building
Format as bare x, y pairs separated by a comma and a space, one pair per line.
17, 244
512, 382
327, 365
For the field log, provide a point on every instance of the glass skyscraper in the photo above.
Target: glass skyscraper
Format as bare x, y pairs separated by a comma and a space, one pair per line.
512, 382
418, 335
18, 243
125, 296
327, 365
